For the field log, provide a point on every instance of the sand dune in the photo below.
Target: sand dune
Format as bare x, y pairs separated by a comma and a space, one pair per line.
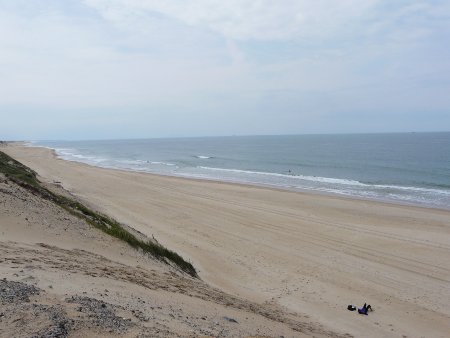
61, 277
308, 253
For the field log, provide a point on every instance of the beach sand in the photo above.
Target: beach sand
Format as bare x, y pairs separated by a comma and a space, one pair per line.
61, 277
309, 254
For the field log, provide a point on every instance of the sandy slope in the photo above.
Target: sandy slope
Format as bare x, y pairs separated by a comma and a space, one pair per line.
312, 254
61, 277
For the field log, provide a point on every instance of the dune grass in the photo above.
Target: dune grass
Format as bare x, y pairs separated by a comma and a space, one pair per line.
27, 178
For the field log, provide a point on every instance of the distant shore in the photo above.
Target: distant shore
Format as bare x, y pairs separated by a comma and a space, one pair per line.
310, 253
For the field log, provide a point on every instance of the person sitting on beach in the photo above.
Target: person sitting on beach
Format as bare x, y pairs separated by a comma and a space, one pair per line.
365, 309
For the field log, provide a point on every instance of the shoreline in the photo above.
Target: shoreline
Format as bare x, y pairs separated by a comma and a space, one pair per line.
248, 184
309, 253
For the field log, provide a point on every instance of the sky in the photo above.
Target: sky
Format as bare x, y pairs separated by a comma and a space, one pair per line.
110, 69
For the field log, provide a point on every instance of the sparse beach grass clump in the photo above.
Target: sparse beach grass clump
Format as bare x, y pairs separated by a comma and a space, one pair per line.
27, 178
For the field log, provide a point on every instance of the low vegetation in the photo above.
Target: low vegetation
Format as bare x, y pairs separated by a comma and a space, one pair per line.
27, 178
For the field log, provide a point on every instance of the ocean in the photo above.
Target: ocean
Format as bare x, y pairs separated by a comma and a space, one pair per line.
405, 168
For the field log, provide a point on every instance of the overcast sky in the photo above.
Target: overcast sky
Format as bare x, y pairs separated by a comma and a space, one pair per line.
89, 69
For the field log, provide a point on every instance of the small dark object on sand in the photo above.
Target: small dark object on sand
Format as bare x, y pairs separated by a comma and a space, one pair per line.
232, 320
351, 307
365, 309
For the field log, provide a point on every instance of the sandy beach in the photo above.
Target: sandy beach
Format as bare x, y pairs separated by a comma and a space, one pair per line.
308, 255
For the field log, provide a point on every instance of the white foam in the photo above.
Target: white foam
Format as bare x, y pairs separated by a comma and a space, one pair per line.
132, 161
69, 154
299, 177
417, 189
164, 163
330, 180
203, 157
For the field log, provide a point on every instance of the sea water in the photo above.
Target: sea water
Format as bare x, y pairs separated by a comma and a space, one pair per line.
407, 168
